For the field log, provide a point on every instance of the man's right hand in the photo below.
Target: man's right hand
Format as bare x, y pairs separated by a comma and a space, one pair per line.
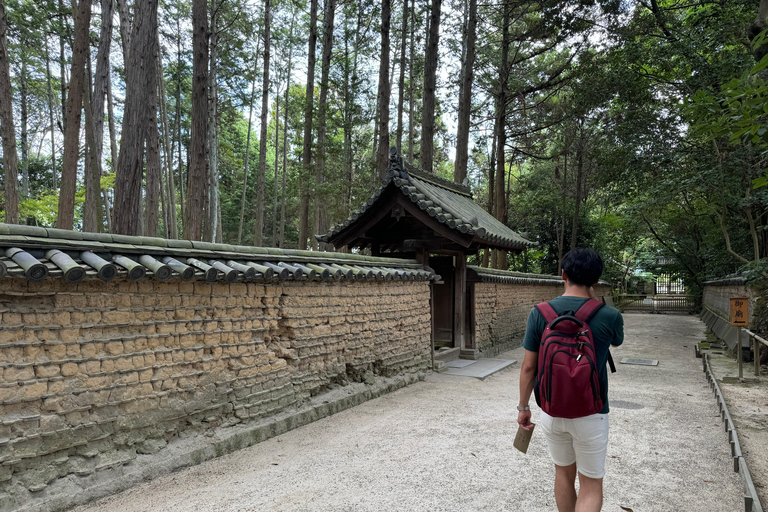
524, 420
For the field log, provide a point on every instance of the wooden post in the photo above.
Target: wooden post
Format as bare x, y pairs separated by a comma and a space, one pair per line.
756, 353
459, 303
738, 354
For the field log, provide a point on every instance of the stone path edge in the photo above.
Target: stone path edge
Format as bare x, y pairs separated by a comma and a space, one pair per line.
72, 491
751, 500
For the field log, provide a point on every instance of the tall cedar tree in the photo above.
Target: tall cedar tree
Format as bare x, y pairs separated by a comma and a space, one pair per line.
139, 115
401, 81
499, 201
196, 178
306, 154
7, 129
321, 210
262, 176
430, 83
66, 213
384, 93
91, 210
465, 96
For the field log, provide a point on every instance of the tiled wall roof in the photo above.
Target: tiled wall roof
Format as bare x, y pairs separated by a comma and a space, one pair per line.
38, 253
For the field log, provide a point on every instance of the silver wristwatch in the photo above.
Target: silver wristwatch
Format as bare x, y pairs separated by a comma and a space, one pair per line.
523, 408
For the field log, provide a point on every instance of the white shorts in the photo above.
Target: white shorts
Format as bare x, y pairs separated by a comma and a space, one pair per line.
580, 440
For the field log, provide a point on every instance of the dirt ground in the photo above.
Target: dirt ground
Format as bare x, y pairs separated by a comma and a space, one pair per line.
748, 405
445, 444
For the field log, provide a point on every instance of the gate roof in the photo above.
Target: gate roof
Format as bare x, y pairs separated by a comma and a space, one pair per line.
418, 209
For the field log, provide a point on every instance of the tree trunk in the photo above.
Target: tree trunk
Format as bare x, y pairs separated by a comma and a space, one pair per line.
170, 220
198, 161
285, 133
154, 167
7, 129
112, 148
321, 200
62, 75
306, 158
430, 81
561, 239
210, 229
465, 97
138, 117
277, 160
579, 176
401, 81
50, 113
124, 15
501, 135
384, 92
92, 214
262, 176
411, 86
91, 172
66, 213
248, 145
23, 90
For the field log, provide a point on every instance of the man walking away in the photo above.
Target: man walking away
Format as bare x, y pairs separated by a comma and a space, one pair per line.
576, 428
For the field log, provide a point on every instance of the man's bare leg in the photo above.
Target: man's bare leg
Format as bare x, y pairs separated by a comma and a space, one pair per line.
565, 487
590, 494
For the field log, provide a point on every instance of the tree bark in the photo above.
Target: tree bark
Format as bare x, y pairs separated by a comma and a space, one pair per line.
154, 167
285, 133
306, 157
66, 213
50, 113
7, 129
384, 92
262, 176
170, 220
124, 15
401, 81
138, 117
112, 148
277, 160
210, 229
248, 146
465, 96
62, 76
92, 218
579, 177
321, 211
411, 85
430, 81
91, 172
23, 90
199, 131
501, 130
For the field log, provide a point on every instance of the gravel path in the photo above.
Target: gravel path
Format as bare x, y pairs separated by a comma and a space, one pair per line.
445, 444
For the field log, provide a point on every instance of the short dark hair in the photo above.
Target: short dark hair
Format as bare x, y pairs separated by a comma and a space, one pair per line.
583, 266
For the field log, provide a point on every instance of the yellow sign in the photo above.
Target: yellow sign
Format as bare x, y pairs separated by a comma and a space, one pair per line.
740, 311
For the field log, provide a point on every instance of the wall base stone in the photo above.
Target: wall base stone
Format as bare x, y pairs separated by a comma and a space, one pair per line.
156, 458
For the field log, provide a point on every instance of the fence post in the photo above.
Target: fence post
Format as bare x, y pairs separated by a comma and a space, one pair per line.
756, 353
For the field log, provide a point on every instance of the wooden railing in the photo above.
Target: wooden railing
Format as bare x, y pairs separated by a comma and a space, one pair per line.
655, 303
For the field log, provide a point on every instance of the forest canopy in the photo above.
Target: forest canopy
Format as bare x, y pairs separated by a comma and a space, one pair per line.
635, 127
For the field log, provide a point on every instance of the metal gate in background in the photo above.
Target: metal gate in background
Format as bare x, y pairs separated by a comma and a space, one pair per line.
655, 303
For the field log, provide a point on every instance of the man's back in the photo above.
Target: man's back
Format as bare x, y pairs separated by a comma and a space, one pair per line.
606, 324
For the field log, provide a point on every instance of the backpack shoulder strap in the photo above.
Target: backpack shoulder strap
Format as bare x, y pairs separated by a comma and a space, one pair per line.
546, 311
588, 309
585, 314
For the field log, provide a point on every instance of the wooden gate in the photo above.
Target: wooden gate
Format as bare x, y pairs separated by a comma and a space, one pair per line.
655, 303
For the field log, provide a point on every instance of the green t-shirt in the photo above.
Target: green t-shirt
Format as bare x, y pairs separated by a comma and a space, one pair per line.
606, 324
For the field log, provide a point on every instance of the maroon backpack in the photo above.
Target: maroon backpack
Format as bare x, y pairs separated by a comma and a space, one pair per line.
567, 383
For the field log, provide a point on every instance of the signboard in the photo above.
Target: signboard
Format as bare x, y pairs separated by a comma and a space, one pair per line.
740, 311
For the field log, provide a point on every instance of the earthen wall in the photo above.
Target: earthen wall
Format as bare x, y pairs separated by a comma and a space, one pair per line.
94, 374
501, 311
717, 296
